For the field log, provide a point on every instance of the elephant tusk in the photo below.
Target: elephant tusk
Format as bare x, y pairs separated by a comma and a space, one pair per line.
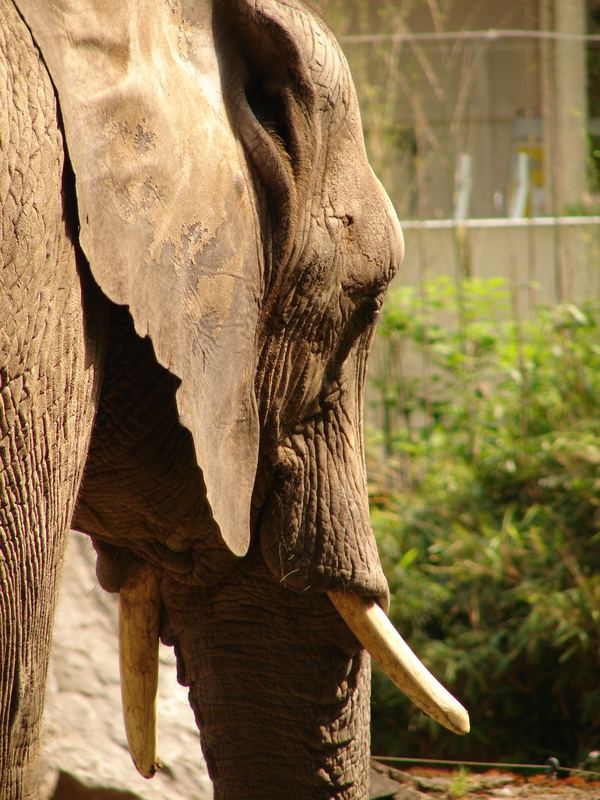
369, 623
139, 609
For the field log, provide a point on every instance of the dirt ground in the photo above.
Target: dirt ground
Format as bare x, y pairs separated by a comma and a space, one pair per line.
388, 783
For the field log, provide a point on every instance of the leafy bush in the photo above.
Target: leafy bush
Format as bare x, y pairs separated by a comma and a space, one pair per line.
486, 505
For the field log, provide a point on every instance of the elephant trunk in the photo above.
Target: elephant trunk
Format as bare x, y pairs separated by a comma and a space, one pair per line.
279, 687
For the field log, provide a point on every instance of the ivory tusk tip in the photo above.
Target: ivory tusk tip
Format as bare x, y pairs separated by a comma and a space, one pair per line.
148, 771
139, 614
459, 719
376, 633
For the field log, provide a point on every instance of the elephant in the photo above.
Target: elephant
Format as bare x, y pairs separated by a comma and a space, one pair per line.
194, 252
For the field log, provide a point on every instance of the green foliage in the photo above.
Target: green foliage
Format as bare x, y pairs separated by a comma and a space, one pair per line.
486, 506
459, 784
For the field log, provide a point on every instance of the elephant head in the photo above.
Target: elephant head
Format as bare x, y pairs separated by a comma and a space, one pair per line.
225, 198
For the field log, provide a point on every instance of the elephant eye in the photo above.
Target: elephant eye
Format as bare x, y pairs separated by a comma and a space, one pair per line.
358, 325
362, 319
368, 313
365, 314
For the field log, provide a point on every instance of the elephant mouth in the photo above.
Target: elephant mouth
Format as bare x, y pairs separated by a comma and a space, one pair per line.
139, 613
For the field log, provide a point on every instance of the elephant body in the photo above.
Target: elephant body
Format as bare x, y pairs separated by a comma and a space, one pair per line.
49, 381
193, 254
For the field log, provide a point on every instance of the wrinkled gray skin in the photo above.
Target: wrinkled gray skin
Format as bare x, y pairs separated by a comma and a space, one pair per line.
256, 504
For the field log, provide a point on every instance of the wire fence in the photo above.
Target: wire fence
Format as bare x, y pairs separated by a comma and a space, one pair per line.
492, 34
552, 766
451, 107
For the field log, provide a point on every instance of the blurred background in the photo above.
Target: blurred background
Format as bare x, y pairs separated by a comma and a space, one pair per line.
482, 120
481, 109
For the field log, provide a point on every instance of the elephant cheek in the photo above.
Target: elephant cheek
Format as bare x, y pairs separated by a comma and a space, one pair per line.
315, 528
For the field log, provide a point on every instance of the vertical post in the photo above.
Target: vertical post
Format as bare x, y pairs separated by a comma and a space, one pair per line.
564, 105
518, 203
571, 103
463, 184
548, 105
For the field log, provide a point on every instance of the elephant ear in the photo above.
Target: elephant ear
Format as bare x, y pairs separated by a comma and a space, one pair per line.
167, 212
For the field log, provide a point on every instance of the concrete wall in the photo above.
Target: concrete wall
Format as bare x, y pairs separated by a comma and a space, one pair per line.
547, 259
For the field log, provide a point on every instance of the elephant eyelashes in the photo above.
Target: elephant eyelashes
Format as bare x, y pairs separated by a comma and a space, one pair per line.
365, 316
368, 313
361, 322
357, 332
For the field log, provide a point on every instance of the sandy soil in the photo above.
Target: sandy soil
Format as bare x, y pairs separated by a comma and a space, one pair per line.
429, 784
